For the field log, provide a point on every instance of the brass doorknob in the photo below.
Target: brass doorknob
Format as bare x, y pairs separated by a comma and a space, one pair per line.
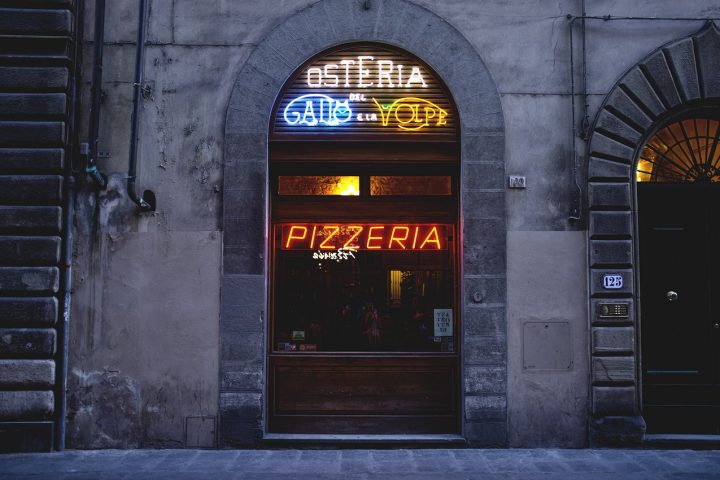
671, 296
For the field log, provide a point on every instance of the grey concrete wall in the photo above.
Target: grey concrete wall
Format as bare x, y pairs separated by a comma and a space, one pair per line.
146, 310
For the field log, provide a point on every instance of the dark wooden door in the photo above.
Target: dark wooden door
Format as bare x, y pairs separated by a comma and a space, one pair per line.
680, 307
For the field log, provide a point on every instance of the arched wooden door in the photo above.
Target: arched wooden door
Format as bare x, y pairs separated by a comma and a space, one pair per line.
679, 238
364, 166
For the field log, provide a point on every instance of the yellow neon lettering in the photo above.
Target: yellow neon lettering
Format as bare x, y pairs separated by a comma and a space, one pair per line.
327, 239
383, 108
399, 240
371, 237
358, 230
429, 113
432, 237
413, 120
293, 237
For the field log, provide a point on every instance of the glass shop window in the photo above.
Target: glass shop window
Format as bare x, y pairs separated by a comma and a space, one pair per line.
366, 287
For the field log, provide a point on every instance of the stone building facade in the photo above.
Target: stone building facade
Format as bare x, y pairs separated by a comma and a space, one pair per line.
171, 340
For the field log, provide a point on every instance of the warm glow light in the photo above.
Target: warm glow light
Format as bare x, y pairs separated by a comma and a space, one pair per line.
348, 187
365, 237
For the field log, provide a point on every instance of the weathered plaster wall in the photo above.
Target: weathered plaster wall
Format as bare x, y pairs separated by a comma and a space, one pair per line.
146, 314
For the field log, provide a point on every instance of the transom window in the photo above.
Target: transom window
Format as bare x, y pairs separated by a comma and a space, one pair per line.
685, 151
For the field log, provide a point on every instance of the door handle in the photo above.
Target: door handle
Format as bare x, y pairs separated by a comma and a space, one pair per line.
671, 296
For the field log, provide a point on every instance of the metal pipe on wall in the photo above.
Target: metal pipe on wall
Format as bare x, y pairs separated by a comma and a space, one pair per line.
94, 127
146, 201
63, 354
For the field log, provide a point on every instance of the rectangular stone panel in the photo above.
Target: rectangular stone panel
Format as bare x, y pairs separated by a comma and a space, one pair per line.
487, 322
601, 284
14, 78
22, 105
610, 252
485, 407
486, 433
29, 250
28, 311
625, 107
31, 160
614, 400
27, 374
32, 220
484, 350
30, 189
25, 405
682, 57
30, 279
610, 224
241, 416
613, 340
636, 83
17, 21
485, 379
27, 436
32, 134
609, 195
613, 126
600, 169
27, 342
613, 369
656, 68
605, 146
708, 44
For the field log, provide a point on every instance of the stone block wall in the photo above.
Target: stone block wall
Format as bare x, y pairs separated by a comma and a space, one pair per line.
36, 68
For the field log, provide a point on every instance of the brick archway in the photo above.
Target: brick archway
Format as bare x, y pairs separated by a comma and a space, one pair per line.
680, 75
244, 284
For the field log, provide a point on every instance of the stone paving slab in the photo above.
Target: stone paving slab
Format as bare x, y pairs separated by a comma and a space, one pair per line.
399, 464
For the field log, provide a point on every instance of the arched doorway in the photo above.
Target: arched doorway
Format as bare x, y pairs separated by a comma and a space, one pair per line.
363, 307
644, 158
678, 197
244, 323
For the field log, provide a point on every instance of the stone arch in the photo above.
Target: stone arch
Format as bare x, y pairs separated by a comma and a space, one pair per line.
244, 283
680, 75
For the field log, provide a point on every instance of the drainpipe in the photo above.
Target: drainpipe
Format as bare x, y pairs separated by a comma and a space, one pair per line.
90, 152
63, 354
146, 201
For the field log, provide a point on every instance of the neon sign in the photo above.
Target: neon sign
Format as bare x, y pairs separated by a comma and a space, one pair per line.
317, 77
365, 90
337, 237
315, 109
412, 113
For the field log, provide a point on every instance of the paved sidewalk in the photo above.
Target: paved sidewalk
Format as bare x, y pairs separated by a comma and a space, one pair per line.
545, 464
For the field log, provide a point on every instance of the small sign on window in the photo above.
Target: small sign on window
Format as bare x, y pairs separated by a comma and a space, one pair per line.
443, 322
613, 281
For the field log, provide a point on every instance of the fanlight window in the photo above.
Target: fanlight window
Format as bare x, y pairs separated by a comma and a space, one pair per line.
686, 151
